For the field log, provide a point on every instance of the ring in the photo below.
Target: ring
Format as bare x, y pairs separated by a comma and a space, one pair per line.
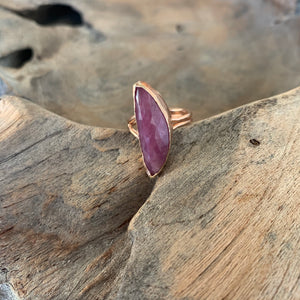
155, 123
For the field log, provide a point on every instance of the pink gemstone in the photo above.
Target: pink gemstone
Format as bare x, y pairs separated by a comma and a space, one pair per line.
153, 131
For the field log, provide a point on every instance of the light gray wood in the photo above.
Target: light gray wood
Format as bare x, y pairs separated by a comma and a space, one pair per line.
68, 192
221, 220
79, 218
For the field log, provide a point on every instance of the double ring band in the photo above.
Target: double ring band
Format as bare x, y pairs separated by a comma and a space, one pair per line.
179, 117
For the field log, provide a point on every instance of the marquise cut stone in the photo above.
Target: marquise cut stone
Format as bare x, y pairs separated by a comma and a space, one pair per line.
153, 131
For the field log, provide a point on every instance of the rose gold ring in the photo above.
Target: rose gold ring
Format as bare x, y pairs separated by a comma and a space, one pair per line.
155, 123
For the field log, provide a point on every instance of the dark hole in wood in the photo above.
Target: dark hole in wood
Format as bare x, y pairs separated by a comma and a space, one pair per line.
53, 14
17, 58
179, 28
254, 142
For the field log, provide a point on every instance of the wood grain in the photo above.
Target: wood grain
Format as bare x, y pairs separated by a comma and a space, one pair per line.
222, 221
65, 202
79, 218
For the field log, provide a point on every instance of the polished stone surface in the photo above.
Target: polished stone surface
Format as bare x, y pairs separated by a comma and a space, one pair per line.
153, 131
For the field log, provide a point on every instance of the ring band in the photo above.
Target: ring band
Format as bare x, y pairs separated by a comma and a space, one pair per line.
179, 117
155, 123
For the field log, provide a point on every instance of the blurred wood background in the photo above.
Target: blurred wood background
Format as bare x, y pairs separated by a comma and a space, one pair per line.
79, 218
208, 56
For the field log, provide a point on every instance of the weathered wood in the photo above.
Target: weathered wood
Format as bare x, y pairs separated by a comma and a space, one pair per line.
207, 56
221, 221
224, 220
65, 202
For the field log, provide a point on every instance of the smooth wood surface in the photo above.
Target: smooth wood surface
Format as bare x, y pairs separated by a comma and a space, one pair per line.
222, 220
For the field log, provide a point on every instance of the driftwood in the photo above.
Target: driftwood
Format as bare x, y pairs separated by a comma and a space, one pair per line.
207, 56
221, 221
80, 219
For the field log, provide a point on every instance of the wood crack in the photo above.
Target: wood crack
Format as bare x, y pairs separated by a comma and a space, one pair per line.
32, 145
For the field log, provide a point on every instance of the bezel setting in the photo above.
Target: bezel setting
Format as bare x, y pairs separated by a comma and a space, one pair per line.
166, 114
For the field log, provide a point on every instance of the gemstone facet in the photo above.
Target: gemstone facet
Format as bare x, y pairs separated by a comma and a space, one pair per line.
153, 129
